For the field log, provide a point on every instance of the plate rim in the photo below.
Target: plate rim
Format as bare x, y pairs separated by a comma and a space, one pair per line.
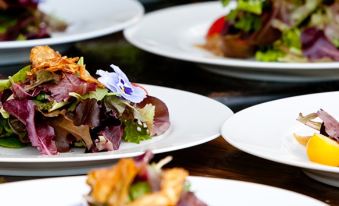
304, 165
230, 62
38, 159
78, 37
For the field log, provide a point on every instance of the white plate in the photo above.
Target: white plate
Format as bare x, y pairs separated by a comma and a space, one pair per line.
266, 131
85, 18
175, 32
54, 192
195, 119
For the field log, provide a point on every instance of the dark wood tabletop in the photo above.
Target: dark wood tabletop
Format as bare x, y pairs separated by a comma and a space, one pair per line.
216, 158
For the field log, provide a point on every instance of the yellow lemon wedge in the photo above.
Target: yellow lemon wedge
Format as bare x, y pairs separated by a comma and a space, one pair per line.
323, 150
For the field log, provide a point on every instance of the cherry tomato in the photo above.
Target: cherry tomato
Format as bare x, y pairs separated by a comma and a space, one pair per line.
217, 26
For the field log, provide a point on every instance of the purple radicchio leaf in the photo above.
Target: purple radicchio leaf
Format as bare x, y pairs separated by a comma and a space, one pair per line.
114, 135
161, 117
330, 123
316, 46
87, 113
70, 83
19, 92
40, 133
190, 199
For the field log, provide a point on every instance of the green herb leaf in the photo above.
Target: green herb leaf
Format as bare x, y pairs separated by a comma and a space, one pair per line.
270, 55
139, 189
291, 38
252, 6
11, 142
114, 103
135, 133
21, 75
17, 77
4, 84
98, 94
43, 106
248, 22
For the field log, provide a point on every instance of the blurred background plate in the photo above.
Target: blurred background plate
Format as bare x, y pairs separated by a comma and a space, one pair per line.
177, 33
70, 191
85, 18
266, 131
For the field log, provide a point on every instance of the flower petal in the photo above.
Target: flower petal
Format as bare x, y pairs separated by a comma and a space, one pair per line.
118, 83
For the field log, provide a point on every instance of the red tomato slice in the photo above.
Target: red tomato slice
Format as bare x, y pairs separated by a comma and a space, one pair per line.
217, 26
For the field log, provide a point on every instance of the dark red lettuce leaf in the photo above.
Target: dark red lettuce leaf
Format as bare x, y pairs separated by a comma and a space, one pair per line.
20, 92
69, 83
113, 134
189, 199
330, 124
267, 34
316, 46
4, 95
87, 113
40, 134
65, 127
63, 143
161, 117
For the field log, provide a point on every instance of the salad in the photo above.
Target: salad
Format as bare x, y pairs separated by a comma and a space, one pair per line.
54, 104
277, 30
22, 20
135, 182
322, 147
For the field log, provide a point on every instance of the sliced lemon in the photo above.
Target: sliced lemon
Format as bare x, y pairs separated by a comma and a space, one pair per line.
323, 150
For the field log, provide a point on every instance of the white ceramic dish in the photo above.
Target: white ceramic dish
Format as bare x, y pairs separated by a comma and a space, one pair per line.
85, 18
195, 119
175, 32
69, 191
266, 131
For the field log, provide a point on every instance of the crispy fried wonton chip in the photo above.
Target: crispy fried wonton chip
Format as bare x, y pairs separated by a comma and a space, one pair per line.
45, 58
110, 186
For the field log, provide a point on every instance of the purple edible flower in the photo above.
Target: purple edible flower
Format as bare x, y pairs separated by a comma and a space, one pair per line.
118, 83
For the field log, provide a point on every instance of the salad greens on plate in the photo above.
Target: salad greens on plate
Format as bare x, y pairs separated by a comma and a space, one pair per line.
54, 104
136, 182
278, 30
22, 20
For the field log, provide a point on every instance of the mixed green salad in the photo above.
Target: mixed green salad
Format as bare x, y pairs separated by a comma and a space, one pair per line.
278, 30
54, 104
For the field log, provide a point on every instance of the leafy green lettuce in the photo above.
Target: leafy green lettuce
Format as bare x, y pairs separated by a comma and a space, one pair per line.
139, 189
252, 6
98, 94
269, 55
248, 22
11, 142
134, 132
17, 77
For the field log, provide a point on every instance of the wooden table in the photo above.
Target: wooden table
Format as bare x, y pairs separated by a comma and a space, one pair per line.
216, 158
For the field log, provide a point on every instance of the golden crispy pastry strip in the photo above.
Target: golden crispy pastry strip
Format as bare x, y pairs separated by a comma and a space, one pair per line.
110, 186
45, 58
